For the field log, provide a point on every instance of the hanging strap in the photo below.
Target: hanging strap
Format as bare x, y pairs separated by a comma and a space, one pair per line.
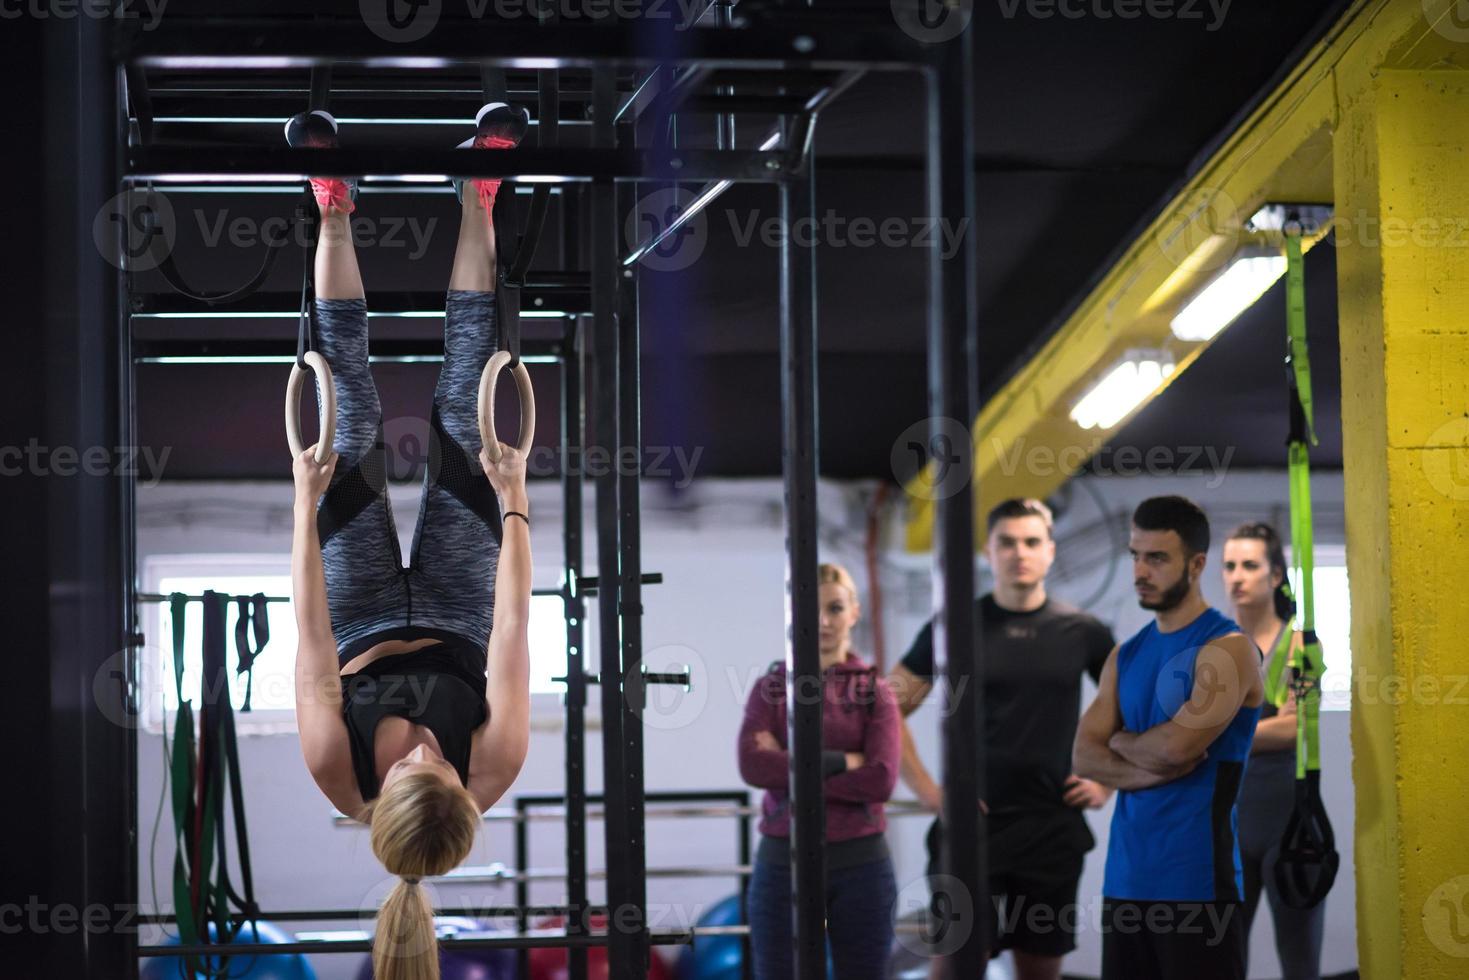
227, 767
1297, 357
507, 290
220, 754
309, 219
1306, 673
305, 325
156, 246
181, 778
214, 691
547, 135
1307, 864
202, 774
250, 616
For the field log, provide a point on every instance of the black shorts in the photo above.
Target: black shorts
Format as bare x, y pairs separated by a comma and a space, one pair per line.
1032, 888
1166, 940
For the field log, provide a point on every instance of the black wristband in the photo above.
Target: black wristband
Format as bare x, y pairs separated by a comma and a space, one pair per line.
516, 513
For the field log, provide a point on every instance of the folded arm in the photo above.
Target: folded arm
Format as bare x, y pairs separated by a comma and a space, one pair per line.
1226, 678
873, 781
763, 767
1092, 756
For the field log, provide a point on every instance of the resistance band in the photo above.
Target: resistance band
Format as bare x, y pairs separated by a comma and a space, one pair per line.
201, 776
1308, 859
250, 616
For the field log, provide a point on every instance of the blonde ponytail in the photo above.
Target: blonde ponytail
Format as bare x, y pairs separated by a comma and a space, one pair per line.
404, 946
421, 826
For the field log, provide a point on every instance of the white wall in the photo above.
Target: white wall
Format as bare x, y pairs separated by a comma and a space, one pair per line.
720, 610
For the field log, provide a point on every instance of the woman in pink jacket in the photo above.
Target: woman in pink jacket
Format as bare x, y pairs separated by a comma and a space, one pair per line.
860, 760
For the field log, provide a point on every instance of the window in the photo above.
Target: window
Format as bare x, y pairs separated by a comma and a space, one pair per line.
1333, 608
272, 689
547, 638
272, 683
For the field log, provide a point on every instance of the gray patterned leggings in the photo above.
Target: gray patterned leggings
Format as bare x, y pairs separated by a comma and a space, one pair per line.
448, 589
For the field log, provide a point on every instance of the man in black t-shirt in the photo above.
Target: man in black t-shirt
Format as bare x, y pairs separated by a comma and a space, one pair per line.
1035, 650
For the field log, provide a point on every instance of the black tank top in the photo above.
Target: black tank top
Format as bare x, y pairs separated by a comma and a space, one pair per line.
435, 686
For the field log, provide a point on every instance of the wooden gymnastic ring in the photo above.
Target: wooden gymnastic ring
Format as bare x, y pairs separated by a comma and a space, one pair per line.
487, 406
326, 411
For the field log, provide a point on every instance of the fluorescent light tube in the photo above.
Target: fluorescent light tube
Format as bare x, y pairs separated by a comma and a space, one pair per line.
1131, 382
1235, 290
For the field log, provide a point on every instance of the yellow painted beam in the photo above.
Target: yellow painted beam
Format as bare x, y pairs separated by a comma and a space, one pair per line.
1024, 443
1403, 280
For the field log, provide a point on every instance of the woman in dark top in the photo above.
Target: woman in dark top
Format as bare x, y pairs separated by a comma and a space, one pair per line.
860, 759
414, 714
1254, 574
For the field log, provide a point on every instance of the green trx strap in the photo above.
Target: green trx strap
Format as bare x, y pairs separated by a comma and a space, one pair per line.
1308, 860
1306, 675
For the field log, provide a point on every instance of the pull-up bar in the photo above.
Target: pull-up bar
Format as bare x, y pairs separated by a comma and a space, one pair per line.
535, 939
837, 44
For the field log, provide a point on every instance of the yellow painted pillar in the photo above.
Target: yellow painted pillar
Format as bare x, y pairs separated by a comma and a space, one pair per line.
1402, 202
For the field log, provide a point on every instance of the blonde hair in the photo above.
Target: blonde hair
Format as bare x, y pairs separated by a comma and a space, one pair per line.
421, 826
830, 573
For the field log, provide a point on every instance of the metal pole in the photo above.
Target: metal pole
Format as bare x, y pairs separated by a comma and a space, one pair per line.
573, 435
75, 844
536, 940
953, 395
132, 626
522, 887
742, 827
803, 656
628, 468
621, 951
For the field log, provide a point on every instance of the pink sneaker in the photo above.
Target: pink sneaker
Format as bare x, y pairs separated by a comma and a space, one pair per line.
317, 129
499, 127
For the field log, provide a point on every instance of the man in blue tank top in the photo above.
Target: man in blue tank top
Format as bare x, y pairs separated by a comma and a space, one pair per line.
1170, 729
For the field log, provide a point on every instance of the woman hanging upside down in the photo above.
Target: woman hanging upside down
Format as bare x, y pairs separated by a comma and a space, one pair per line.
413, 711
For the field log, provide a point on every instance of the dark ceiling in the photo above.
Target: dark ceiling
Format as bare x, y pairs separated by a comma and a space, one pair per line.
1083, 127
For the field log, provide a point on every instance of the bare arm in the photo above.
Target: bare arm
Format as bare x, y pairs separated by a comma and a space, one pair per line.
1092, 758
504, 740
308, 579
1226, 678
324, 743
1278, 733
909, 691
